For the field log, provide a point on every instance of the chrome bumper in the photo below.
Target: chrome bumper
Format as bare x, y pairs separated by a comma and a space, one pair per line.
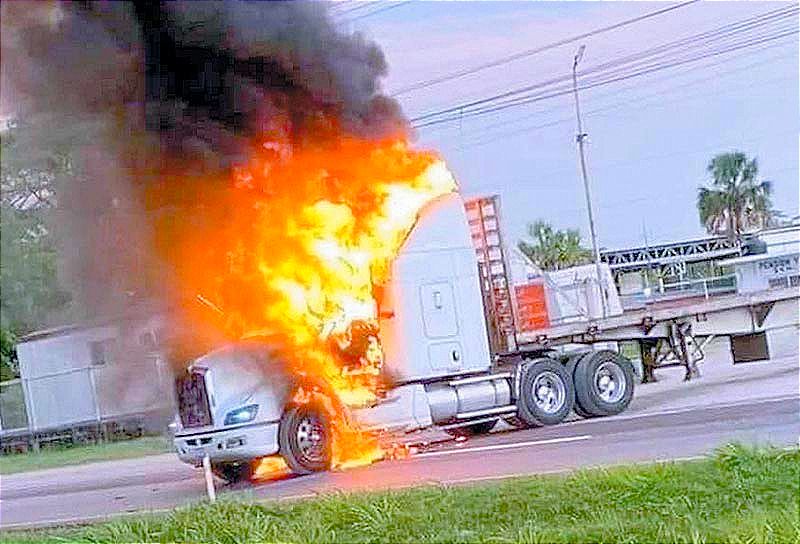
230, 444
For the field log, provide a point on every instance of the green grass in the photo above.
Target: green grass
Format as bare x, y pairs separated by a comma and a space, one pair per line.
740, 495
75, 455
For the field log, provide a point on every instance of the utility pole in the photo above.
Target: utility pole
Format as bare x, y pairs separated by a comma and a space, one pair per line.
580, 138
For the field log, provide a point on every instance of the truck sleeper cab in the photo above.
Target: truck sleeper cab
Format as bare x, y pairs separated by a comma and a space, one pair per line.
436, 347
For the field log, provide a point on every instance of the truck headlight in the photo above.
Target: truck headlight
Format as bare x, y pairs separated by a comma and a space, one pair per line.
244, 414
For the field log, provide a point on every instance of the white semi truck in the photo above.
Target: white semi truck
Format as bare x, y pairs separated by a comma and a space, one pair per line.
236, 404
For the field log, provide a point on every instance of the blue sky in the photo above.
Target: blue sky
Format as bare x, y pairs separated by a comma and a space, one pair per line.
652, 137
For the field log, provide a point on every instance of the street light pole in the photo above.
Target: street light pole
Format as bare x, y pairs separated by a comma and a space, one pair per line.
580, 139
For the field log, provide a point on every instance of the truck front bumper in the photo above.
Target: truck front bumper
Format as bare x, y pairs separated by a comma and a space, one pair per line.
241, 443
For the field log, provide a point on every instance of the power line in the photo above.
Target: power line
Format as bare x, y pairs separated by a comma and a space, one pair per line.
506, 134
376, 11
719, 34
459, 113
672, 76
530, 52
359, 5
506, 123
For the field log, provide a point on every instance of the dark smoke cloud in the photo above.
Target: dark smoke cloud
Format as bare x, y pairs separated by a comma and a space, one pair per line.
156, 92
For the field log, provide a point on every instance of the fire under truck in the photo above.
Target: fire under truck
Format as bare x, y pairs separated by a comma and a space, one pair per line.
445, 319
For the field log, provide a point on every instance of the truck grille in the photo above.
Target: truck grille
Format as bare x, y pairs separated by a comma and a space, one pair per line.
193, 399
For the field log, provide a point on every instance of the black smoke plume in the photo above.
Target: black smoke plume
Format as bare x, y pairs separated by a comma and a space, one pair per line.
161, 100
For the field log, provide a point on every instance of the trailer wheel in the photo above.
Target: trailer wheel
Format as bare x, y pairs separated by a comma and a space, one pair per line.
546, 394
604, 382
472, 430
304, 438
233, 472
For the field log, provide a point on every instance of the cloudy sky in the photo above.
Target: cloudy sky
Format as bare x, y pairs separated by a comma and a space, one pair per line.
651, 137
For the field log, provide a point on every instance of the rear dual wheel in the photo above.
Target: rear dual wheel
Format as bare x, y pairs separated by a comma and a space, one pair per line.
604, 382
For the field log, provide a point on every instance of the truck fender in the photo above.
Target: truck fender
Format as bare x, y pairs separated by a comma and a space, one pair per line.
521, 365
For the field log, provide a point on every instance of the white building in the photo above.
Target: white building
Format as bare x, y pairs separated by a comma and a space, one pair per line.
778, 266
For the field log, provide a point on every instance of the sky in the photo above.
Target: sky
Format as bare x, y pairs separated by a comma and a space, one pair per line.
650, 137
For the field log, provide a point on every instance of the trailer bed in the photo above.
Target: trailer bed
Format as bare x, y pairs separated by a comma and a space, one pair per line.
652, 320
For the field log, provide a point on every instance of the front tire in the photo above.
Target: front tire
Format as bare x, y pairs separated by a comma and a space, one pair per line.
604, 382
305, 438
546, 394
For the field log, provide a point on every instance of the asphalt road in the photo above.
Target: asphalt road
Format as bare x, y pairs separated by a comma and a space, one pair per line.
83, 493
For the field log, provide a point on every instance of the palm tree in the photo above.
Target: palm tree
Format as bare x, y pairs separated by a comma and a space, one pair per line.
737, 200
554, 249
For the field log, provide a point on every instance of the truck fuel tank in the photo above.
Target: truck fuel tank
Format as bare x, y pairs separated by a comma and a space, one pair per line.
449, 400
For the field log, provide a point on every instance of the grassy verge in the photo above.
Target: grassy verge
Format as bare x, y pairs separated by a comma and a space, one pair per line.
740, 495
74, 455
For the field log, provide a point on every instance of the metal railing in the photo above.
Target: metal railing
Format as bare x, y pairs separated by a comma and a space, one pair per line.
700, 287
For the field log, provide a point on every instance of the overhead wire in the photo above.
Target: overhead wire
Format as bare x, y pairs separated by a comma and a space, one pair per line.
492, 137
536, 50
548, 90
705, 66
645, 71
377, 11
719, 34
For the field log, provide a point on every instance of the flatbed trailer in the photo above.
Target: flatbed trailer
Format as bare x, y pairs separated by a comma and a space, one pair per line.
655, 320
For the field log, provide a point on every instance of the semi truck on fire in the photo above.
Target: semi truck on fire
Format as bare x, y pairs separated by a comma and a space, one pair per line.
238, 404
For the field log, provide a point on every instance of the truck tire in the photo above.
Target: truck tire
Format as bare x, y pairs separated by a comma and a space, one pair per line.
233, 472
570, 365
304, 438
472, 430
604, 382
546, 394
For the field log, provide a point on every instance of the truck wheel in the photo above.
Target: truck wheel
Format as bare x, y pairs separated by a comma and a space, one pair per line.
546, 394
604, 382
570, 365
233, 472
472, 430
304, 438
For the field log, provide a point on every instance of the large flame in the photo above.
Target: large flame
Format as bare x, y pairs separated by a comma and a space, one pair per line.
323, 223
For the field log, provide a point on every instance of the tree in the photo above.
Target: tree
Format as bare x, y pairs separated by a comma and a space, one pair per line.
553, 249
28, 256
9, 368
737, 200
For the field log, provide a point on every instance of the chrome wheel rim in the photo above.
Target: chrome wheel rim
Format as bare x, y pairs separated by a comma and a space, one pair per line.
609, 382
549, 392
311, 438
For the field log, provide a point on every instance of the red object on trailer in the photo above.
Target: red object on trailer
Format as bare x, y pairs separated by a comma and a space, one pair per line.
532, 306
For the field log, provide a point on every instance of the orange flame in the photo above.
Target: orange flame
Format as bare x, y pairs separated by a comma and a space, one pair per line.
313, 231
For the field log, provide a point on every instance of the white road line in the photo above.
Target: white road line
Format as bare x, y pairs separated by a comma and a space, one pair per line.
700, 407
504, 446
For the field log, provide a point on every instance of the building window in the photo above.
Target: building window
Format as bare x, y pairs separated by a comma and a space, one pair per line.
749, 347
102, 351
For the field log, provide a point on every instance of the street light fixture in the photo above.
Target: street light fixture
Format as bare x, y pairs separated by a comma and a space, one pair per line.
580, 138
